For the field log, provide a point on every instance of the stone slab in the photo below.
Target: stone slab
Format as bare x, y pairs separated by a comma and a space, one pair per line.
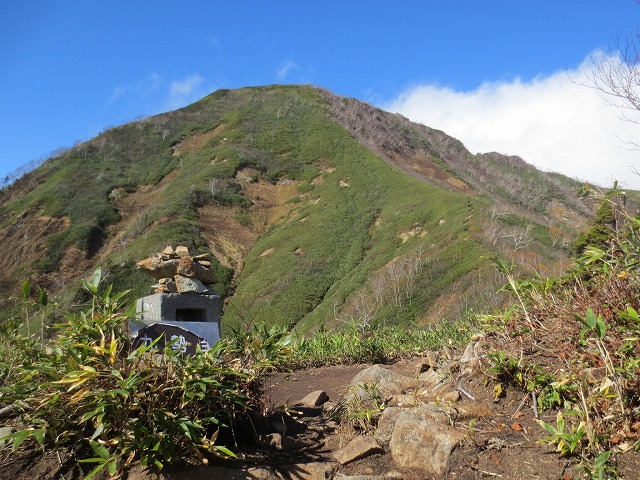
171, 307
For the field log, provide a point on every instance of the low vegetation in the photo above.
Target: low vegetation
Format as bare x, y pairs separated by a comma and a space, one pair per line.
362, 264
340, 212
87, 389
573, 343
115, 406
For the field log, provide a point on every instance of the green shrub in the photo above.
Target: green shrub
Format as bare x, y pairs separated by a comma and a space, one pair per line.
90, 391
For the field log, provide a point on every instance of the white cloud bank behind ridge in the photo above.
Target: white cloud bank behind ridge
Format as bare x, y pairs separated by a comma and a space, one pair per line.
551, 122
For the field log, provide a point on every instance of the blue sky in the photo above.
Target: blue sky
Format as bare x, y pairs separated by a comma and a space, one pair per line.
495, 74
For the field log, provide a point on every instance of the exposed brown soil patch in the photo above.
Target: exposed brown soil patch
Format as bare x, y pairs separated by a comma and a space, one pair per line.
196, 142
267, 252
270, 202
133, 209
424, 168
230, 239
23, 239
73, 264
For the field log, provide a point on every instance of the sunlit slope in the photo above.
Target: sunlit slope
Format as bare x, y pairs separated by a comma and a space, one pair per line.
318, 210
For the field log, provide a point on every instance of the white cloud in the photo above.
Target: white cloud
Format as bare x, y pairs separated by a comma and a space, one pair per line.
154, 94
185, 91
552, 122
146, 86
285, 69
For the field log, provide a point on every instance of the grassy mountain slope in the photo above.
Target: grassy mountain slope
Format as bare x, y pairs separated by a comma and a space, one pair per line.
319, 209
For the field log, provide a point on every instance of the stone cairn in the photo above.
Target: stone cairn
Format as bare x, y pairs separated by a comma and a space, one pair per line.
178, 272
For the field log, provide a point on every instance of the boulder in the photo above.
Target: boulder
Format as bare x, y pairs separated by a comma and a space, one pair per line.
422, 445
387, 422
387, 381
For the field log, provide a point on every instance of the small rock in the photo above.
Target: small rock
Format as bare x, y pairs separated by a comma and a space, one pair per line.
157, 268
182, 251
359, 447
189, 268
467, 410
168, 251
472, 353
190, 285
159, 288
405, 400
423, 366
431, 381
451, 397
4, 431
592, 375
280, 442
328, 406
314, 399
284, 423
171, 286
186, 267
432, 359
388, 381
309, 471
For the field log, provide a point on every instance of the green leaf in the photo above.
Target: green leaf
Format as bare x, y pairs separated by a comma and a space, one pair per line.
224, 451
633, 314
92, 285
97, 432
560, 422
39, 436
19, 437
602, 459
548, 427
100, 450
25, 288
601, 329
43, 297
96, 470
112, 466
590, 319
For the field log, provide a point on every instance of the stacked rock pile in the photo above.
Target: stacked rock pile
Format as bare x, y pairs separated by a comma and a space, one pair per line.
179, 272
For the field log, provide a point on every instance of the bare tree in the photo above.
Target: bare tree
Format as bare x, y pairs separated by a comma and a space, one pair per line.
617, 78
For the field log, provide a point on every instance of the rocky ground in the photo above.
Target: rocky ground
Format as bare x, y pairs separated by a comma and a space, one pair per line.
431, 417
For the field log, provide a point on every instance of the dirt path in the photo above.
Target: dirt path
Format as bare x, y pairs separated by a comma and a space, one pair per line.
288, 388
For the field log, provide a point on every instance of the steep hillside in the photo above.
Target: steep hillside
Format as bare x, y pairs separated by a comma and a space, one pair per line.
320, 210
